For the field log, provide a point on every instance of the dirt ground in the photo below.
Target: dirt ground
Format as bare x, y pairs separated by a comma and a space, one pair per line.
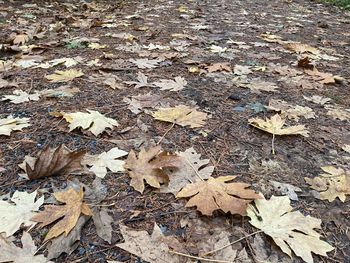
232, 145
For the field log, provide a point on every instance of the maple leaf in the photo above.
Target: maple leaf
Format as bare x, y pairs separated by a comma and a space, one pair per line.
290, 230
275, 124
10, 124
67, 62
20, 39
192, 169
318, 99
139, 102
153, 248
256, 85
173, 85
54, 161
12, 216
9, 252
142, 81
100, 163
224, 66
7, 84
65, 75
63, 91
93, 121
113, 81
145, 62
67, 214
181, 115
332, 184
28, 61
323, 78
338, 113
148, 166
217, 49
289, 111
96, 46
21, 96
242, 70
215, 193
302, 48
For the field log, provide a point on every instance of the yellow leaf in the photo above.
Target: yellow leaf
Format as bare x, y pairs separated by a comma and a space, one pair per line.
10, 124
64, 76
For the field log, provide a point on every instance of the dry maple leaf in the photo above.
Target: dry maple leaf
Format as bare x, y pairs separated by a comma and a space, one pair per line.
256, 85
302, 48
100, 163
338, 113
54, 161
318, 99
21, 96
148, 166
67, 214
215, 193
142, 81
20, 39
275, 124
60, 92
10, 124
139, 102
290, 230
93, 121
64, 76
181, 115
7, 84
9, 252
224, 66
173, 85
323, 78
192, 169
290, 111
242, 70
145, 63
24, 207
153, 248
332, 184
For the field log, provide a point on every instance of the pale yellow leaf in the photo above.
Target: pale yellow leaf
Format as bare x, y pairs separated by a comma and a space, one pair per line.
64, 76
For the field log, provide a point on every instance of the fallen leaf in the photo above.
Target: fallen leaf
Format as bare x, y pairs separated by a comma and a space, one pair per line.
60, 92
286, 189
67, 214
9, 252
24, 207
20, 39
317, 99
290, 111
302, 48
346, 148
242, 70
173, 85
148, 166
7, 84
275, 124
93, 121
332, 184
153, 248
139, 102
100, 163
142, 81
96, 46
21, 96
103, 223
223, 66
192, 169
145, 63
290, 230
338, 113
28, 61
54, 161
217, 49
64, 76
305, 62
256, 85
323, 78
181, 115
215, 193
113, 82
67, 62
10, 124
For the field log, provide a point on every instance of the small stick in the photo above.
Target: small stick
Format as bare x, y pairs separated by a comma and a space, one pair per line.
273, 144
199, 258
168, 130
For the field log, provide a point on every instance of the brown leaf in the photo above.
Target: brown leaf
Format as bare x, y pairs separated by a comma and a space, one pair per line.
55, 161
67, 214
215, 193
148, 166
224, 66
305, 63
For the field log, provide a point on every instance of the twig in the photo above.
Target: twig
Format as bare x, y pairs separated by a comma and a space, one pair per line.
36, 251
273, 144
230, 244
199, 258
168, 130
112, 204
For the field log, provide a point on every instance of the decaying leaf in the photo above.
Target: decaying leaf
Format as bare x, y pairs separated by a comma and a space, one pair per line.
139, 102
67, 214
290, 111
332, 184
173, 85
148, 166
60, 92
64, 76
24, 207
256, 85
275, 124
9, 252
192, 169
242, 70
181, 115
338, 113
20, 39
142, 81
145, 63
112, 81
100, 163
224, 66
153, 248
302, 48
291, 230
318, 99
7, 84
54, 161
93, 121
67, 62
21, 96
10, 124
286, 189
216, 193
323, 78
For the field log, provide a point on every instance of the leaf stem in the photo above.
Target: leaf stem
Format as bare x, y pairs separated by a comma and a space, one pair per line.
167, 131
273, 144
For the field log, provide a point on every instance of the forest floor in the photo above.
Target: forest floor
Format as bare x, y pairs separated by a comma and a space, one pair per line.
290, 58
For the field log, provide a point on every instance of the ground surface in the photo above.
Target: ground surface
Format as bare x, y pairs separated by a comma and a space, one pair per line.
232, 145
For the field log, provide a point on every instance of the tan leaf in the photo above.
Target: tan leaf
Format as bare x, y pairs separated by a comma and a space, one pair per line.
145, 63
224, 66
317, 99
11, 253
173, 85
181, 115
338, 113
139, 102
302, 48
96, 46
27, 61
7, 84
290, 111
256, 85
64, 76
215, 193
20, 39
192, 169
93, 121
334, 183
346, 148
67, 214
148, 166
21, 96
142, 81
242, 70
153, 248
290, 230
323, 78
54, 161
20, 212
10, 124
60, 92
275, 124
